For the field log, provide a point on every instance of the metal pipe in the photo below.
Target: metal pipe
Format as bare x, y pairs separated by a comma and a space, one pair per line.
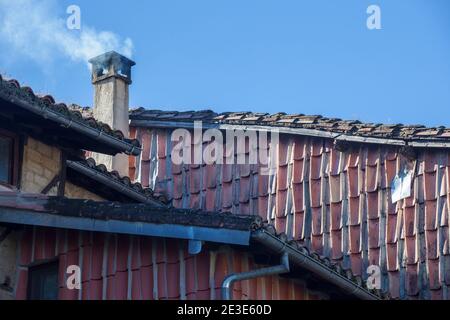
232, 278
303, 260
113, 184
78, 126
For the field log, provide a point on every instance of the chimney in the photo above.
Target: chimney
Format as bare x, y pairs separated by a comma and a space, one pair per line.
111, 76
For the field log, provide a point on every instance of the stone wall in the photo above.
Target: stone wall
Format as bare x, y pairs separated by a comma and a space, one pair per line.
75, 192
41, 163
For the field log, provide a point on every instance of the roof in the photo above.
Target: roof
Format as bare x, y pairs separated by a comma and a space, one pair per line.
22, 101
150, 220
86, 170
314, 125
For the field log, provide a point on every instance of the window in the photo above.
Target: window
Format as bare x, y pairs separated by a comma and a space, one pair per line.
8, 158
43, 282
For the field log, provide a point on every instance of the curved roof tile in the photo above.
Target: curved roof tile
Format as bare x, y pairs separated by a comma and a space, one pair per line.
315, 122
12, 87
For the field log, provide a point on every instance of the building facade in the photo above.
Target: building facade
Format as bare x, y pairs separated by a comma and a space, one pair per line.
348, 210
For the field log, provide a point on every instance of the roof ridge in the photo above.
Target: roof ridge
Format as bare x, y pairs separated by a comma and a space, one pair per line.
338, 126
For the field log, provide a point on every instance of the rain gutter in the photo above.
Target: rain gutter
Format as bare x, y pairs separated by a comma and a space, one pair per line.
167, 230
228, 282
307, 262
96, 134
400, 142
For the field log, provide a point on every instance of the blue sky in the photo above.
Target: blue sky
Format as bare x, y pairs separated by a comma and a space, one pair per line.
296, 56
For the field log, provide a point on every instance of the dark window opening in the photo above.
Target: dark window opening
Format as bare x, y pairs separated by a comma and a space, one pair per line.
43, 282
9, 150
6, 145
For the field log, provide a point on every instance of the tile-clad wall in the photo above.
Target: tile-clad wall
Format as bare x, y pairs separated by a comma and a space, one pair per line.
121, 267
336, 203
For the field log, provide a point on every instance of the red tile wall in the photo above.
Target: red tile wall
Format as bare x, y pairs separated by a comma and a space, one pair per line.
336, 203
121, 267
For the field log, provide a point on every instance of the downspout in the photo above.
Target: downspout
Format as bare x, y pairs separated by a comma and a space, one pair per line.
232, 278
305, 261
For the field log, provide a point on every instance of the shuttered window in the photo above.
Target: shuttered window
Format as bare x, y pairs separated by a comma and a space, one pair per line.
43, 282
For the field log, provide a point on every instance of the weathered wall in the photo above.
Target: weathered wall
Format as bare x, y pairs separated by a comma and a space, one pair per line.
112, 107
8, 266
41, 163
120, 267
335, 203
75, 192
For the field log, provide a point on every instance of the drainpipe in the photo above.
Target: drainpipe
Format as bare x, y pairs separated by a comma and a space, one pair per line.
232, 278
306, 262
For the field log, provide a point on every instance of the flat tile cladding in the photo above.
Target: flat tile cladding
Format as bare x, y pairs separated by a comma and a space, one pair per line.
337, 204
122, 267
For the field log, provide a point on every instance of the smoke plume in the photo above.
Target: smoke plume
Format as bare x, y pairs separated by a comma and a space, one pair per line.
34, 28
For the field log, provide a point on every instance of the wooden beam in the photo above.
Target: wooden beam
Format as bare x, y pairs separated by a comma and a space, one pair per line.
62, 175
51, 184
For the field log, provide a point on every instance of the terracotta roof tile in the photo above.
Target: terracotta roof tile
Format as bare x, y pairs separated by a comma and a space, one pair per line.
314, 122
125, 181
12, 88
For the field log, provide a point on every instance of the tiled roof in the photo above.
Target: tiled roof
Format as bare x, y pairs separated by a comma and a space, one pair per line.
331, 125
13, 90
118, 182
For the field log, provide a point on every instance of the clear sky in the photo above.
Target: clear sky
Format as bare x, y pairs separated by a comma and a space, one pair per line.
295, 56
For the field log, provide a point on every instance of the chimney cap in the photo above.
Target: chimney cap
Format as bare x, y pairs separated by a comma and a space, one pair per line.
111, 64
112, 57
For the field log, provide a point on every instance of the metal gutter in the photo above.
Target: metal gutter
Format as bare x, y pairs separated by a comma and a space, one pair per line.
113, 184
219, 126
170, 124
98, 135
306, 262
33, 218
286, 130
360, 139
295, 131
429, 144
232, 278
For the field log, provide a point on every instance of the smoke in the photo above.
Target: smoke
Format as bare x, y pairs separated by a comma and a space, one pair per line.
34, 29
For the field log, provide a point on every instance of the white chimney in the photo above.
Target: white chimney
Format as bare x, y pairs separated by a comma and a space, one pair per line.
111, 77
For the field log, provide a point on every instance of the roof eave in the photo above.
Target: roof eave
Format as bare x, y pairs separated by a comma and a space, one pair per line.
174, 231
82, 128
344, 137
113, 184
